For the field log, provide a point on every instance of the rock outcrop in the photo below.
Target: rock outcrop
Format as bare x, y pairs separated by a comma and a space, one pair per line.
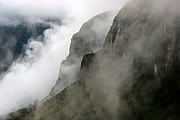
89, 39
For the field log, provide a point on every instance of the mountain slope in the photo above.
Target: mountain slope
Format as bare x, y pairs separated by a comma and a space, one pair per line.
89, 39
135, 76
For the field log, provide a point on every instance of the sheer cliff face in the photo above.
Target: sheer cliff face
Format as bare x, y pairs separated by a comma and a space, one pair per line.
139, 63
138, 67
134, 76
89, 39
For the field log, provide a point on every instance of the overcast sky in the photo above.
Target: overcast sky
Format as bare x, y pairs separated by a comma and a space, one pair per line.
31, 80
56, 7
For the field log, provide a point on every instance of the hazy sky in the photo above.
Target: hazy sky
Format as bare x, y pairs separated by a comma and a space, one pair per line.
56, 7
29, 80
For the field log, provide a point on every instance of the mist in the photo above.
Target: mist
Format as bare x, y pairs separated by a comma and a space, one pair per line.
32, 77
117, 69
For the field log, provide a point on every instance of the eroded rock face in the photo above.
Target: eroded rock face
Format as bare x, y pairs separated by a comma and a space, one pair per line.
89, 39
143, 49
134, 76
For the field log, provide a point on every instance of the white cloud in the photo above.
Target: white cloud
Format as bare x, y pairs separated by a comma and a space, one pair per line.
33, 76
56, 7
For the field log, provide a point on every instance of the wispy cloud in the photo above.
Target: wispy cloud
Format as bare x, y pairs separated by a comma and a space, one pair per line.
32, 77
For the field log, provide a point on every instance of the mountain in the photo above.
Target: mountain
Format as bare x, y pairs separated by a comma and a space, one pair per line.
13, 38
89, 39
135, 76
